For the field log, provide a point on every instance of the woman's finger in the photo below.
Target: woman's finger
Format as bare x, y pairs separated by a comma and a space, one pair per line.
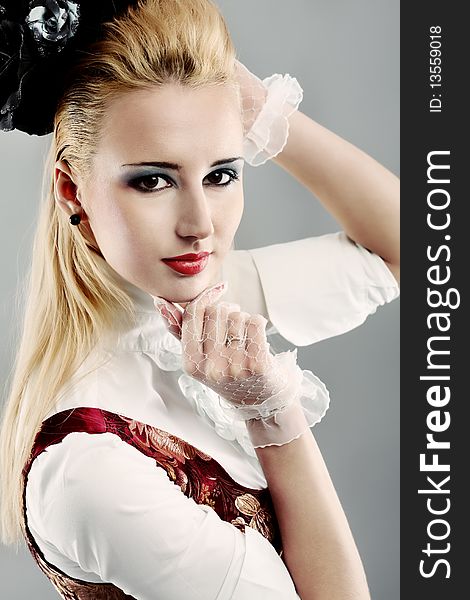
215, 327
257, 347
234, 349
236, 329
217, 358
192, 327
172, 315
173, 323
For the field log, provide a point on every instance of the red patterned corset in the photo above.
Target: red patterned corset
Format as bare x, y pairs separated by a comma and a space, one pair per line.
199, 476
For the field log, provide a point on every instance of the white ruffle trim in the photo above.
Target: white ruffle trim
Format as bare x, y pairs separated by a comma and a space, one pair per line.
306, 409
312, 395
270, 131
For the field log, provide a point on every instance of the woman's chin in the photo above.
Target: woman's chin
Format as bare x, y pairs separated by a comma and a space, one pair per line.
184, 297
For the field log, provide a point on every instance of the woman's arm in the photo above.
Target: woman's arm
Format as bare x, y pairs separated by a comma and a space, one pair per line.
319, 549
358, 191
98, 503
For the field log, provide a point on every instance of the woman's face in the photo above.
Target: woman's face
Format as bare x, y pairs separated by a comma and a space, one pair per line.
165, 183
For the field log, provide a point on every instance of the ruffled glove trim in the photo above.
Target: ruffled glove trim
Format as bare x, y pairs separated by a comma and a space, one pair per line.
312, 401
270, 131
290, 423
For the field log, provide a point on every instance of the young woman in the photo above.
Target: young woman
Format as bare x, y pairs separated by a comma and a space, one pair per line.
152, 445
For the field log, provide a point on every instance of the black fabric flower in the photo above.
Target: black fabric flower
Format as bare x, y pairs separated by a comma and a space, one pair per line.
40, 40
11, 50
53, 23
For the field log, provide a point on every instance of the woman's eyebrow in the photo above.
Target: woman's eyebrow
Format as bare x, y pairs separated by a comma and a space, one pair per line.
169, 165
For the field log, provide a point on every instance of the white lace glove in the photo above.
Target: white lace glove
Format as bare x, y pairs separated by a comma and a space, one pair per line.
227, 350
266, 107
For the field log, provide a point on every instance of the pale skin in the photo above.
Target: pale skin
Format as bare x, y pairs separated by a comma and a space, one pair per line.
184, 211
360, 193
134, 230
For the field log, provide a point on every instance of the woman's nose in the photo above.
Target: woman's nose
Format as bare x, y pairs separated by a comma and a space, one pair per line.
195, 218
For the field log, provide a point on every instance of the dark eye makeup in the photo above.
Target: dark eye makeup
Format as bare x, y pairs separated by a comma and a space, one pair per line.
147, 183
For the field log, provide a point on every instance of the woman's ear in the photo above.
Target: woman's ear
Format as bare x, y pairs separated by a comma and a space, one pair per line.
66, 197
65, 190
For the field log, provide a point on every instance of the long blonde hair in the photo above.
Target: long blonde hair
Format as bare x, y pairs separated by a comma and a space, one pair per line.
71, 296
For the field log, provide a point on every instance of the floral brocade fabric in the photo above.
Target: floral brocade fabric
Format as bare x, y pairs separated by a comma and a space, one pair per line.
199, 476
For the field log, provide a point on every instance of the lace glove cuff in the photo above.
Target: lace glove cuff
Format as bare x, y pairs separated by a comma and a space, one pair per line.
283, 417
287, 424
267, 105
305, 410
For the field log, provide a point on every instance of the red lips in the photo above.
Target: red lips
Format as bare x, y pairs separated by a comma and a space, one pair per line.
194, 264
190, 256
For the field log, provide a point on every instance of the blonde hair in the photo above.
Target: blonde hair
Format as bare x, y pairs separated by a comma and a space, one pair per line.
71, 295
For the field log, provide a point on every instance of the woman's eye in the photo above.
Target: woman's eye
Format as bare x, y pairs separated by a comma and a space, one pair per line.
217, 177
147, 183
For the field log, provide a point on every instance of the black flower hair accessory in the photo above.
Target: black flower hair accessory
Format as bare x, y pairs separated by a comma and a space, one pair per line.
39, 42
53, 23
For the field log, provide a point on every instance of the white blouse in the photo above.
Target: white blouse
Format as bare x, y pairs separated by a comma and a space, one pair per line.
101, 511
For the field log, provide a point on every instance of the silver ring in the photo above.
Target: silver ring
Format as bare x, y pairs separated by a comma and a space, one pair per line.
230, 339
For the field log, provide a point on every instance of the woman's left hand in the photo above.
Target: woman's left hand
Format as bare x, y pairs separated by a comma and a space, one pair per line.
253, 94
250, 378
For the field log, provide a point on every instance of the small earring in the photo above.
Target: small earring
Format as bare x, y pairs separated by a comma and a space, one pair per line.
75, 219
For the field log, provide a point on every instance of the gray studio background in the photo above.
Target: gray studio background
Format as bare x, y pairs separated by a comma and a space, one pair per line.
346, 57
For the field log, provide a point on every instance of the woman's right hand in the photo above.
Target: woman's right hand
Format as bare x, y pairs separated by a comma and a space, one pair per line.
243, 372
